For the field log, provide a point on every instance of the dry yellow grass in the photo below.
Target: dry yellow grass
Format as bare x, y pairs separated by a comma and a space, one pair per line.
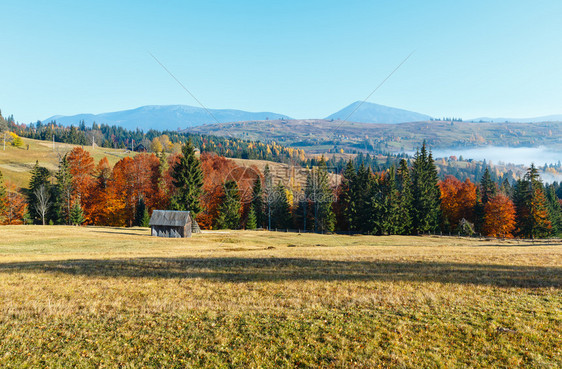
92, 296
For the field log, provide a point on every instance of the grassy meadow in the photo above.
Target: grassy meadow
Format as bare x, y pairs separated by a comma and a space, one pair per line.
115, 297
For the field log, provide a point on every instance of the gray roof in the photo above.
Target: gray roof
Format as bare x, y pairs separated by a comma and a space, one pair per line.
170, 218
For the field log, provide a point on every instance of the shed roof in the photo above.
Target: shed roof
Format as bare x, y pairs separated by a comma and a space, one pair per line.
171, 218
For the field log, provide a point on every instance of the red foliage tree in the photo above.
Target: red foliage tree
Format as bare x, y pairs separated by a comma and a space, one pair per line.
499, 217
458, 200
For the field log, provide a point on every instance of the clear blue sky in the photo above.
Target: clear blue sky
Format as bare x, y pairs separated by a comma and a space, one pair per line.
305, 59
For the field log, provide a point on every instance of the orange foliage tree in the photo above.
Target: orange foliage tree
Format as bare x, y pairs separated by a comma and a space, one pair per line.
14, 207
81, 167
216, 171
499, 217
458, 200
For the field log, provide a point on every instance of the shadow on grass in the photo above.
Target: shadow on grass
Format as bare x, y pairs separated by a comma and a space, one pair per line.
281, 269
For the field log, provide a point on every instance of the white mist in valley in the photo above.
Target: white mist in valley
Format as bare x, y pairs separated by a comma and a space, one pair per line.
512, 155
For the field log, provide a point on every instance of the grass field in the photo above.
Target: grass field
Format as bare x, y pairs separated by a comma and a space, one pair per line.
114, 297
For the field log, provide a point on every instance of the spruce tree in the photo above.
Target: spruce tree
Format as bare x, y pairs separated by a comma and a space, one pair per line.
229, 210
320, 195
554, 211
76, 214
140, 212
281, 216
188, 180
345, 194
488, 188
2, 197
251, 222
426, 193
257, 204
531, 206
392, 222
269, 194
406, 200
39, 177
62, 193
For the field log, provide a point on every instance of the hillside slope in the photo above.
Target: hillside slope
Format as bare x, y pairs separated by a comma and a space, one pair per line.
16, 163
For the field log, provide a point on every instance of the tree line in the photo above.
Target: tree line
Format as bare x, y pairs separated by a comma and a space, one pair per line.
408, 198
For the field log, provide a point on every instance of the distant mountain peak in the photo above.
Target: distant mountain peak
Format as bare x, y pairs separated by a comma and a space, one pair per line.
366, 112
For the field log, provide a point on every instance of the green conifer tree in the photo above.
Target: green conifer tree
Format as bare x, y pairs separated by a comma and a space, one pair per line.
76, 214
39, 182
2, 197
251, 222
406, 207
229, 210
258, 204
62, 194
426, 193
188, 181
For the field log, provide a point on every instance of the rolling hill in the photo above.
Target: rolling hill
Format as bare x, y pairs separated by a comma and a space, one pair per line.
163, 117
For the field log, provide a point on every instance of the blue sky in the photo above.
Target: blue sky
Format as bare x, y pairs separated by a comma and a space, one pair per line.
305, 59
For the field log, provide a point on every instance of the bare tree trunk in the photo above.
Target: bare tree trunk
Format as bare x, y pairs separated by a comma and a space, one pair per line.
42, 205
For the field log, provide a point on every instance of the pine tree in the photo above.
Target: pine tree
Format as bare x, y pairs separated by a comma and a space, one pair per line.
281, 216
251, 222
531, 206
392, 222
76, 214
554, 210
257, 204
269, 194
188, 180
3, 198
63, 193
344, 197
145, 222
488, 188
506, 188
140, 212
426, 194
320, 195
405, 208
39, 182
229, 210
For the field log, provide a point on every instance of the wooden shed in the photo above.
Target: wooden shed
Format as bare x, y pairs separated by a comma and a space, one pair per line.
171, 223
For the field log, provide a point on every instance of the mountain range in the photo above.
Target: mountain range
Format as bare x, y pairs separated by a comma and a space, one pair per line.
179, 117
173, 117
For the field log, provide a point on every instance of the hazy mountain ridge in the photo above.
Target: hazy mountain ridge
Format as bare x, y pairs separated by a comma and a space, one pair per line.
546, 118
164, 117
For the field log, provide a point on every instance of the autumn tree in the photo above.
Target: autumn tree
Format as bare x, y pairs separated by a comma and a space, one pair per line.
499, 218
81, 167
458, 200
15, 205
